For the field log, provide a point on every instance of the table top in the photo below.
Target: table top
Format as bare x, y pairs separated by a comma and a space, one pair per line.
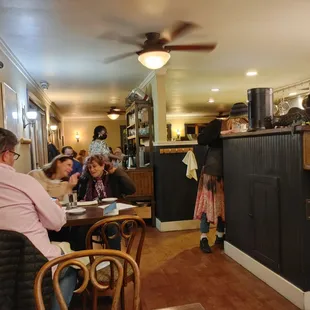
92, 215
196, 306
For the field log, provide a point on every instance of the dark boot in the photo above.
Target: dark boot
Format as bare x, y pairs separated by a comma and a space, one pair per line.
219, 241
204, 245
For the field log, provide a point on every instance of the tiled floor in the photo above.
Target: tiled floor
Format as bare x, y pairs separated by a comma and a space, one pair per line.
175, 272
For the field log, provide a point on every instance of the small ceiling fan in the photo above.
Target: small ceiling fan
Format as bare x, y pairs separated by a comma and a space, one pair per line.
114, 113
154, 53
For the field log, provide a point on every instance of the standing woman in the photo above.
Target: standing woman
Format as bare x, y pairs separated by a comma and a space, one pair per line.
99, 146
210, 207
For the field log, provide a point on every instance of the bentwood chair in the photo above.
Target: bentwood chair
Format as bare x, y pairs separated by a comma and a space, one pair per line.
131, 230
89, 272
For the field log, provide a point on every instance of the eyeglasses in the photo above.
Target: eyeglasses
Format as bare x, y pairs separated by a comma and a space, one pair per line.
16, 155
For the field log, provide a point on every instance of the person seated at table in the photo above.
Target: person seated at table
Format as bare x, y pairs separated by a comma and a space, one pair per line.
77, 166
101, 180
118, 163
52, 175
25, 207
81, 157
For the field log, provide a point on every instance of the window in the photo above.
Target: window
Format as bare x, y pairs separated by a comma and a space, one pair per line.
194, 129
38, 135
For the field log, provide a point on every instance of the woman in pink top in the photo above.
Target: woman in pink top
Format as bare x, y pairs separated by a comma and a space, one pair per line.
27, 208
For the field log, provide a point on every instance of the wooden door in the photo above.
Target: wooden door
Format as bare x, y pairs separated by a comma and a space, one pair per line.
265, 214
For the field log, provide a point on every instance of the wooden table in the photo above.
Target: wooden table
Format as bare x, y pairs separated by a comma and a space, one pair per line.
92, 215
185, 307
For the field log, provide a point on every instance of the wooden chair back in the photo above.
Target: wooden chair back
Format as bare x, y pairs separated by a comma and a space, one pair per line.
128, 227
89, 274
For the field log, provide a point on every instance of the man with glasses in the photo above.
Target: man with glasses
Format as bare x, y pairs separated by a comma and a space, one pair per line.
25, 207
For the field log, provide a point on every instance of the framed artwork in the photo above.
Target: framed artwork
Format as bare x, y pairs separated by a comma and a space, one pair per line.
8, 98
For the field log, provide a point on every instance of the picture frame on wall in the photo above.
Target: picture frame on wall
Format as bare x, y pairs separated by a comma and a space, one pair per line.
9, 108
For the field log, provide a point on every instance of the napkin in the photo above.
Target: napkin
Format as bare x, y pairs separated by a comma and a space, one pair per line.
190, 161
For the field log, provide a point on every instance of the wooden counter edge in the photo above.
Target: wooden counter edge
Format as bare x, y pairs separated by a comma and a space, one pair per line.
266, 132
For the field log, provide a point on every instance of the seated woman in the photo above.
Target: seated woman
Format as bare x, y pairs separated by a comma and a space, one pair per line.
51, 178
100, 180
52, 175
118, 163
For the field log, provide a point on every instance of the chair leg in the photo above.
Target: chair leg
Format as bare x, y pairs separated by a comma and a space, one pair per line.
95, 299
84, 300
123, 298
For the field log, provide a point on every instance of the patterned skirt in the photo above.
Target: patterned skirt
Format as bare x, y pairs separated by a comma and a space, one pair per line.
210, 198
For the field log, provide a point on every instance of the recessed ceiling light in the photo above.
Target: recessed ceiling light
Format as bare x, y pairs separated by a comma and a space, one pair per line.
251, 73
211, 100
292, 94
215, 89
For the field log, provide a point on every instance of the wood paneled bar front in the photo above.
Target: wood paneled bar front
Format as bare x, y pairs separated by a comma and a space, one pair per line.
267, 198
175, 194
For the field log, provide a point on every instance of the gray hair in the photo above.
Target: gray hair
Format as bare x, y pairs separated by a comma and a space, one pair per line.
7, 140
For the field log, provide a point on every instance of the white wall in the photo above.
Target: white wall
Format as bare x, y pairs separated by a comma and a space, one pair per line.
19, 83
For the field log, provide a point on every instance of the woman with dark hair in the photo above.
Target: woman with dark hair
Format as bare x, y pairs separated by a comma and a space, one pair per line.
99, 146
52, 175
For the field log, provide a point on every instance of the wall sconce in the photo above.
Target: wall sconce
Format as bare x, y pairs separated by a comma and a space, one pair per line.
53, 127
29, 118
77, 137
178, 131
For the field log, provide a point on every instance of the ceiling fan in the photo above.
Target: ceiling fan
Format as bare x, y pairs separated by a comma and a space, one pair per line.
154, 53
114, 113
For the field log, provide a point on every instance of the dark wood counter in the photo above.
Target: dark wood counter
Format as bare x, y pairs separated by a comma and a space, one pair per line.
268, 132
175, 193
267, 188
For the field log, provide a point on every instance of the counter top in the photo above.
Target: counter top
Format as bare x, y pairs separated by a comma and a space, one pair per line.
263, 132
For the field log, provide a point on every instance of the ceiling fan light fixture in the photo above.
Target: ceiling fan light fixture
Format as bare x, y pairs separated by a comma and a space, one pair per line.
113, 116
154, 60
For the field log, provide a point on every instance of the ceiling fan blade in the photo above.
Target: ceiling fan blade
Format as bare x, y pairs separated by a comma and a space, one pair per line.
119, 57
115, 37
179, 29
193, 48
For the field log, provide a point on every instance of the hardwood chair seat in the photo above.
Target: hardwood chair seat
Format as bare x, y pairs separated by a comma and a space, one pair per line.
104, 275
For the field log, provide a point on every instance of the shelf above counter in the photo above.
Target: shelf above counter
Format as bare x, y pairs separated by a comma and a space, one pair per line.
140, 137
131, 126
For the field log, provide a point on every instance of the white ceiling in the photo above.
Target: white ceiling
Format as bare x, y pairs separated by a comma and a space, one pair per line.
58, 41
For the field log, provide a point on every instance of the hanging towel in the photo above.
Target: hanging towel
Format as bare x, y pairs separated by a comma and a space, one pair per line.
190, 161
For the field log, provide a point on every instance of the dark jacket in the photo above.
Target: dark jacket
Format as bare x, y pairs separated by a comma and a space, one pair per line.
77, 167
20, 261
119, 184
210, 136
52, 152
